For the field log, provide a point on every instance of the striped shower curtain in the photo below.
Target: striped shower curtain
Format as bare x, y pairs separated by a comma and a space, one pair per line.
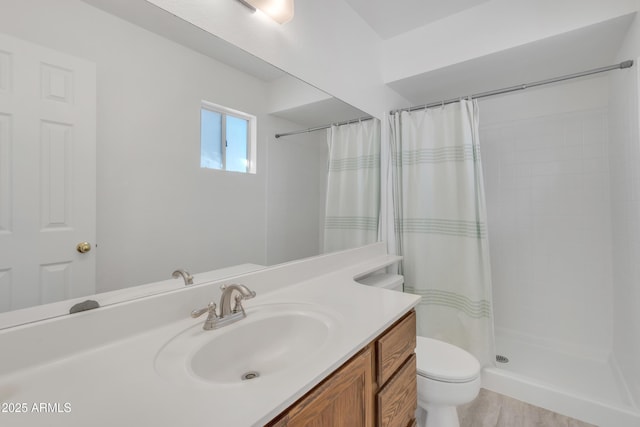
353, 185
440, 224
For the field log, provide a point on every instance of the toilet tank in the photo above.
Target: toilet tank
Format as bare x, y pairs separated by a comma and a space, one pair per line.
383, 280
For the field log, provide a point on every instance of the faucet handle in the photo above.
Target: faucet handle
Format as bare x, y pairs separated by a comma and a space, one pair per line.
238, 305
211, 309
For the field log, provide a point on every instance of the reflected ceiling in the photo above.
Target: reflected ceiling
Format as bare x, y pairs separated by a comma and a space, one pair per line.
157, 20
320, 110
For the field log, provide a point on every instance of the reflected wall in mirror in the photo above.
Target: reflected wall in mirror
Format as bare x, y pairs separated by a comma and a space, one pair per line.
130, 87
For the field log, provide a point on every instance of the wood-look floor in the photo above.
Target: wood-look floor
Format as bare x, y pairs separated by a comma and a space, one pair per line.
491, 409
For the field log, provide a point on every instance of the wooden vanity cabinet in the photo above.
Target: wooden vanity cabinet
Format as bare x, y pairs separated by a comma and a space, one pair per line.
376, 387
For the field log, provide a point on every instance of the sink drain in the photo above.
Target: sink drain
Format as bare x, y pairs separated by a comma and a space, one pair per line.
250, 375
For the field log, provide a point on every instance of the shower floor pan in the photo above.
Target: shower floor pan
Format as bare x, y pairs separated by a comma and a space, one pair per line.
581, 388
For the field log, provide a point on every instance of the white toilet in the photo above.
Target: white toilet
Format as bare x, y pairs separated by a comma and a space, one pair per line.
448, 376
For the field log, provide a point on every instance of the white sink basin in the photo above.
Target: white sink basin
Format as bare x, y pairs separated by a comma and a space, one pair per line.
272, 340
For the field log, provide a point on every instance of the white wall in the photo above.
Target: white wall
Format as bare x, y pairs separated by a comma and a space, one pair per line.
157, 209
624, 159
295, 202
547, 187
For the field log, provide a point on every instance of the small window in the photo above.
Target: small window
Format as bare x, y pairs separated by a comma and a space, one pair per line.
227, 139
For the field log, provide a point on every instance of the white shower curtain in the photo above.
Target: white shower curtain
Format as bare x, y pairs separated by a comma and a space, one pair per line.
353, 185
440, 223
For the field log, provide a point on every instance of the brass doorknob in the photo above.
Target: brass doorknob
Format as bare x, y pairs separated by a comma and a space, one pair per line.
83, 247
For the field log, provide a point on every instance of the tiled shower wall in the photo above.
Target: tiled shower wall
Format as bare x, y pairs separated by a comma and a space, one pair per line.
624, 136
624, 152
546, 171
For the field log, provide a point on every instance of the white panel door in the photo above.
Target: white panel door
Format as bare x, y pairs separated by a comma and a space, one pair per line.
47, 174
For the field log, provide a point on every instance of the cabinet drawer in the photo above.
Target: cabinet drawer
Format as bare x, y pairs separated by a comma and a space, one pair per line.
395, 346
398, 398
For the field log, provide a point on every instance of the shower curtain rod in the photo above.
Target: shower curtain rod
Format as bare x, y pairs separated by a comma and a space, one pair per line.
623, 64
296, 132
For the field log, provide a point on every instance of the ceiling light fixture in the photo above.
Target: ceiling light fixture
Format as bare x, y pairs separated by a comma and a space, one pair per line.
280, 11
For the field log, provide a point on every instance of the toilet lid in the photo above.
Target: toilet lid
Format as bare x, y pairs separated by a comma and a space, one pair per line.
442, 361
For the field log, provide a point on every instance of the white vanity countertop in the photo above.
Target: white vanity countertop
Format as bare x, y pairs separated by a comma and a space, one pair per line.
117, 384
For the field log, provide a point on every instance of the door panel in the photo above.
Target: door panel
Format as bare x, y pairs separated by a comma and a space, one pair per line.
47, 174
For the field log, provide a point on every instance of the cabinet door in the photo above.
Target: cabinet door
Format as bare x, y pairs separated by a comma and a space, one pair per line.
342, 400
398, 399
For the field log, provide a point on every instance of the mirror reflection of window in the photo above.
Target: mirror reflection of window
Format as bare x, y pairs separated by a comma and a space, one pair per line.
211, 139
225, 139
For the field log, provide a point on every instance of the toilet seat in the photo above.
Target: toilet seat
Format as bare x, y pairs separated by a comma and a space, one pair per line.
444, 362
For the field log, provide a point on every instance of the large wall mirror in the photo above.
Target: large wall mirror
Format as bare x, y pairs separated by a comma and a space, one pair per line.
100, 143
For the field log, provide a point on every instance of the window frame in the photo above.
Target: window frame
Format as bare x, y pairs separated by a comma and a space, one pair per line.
251, 134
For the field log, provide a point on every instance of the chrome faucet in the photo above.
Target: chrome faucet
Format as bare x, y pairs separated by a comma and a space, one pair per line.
188, 278
227, 315
225, 299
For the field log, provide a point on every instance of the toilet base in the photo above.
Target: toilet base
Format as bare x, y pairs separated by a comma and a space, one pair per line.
437, 416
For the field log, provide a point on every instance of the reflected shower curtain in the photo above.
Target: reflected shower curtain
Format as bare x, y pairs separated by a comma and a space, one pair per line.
440, 224
353, 185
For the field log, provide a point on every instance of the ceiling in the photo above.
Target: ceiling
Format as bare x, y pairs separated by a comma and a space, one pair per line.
390, 18
575, 51
572, 52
